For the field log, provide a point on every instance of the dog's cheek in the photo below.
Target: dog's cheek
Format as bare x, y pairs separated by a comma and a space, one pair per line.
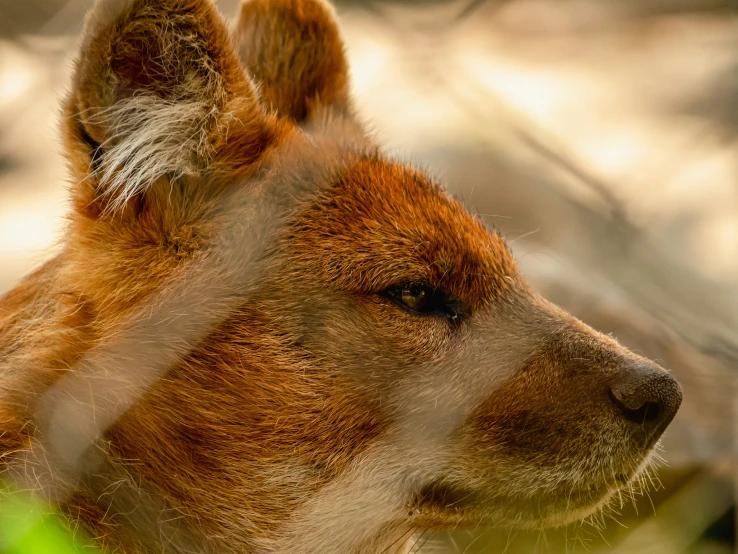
416, 339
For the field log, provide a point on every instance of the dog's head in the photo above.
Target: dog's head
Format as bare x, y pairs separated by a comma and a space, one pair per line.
359, 353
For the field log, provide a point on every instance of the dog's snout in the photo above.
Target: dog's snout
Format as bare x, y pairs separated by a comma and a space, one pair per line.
646, 396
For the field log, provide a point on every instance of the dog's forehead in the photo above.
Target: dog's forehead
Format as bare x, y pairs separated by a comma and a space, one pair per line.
385, 224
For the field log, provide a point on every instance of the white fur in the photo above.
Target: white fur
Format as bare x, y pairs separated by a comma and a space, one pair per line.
152, 137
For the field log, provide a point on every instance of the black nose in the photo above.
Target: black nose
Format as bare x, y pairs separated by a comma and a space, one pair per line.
646, 396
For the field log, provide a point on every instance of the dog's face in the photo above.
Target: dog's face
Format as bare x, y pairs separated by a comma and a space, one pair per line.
530, 417
383, 367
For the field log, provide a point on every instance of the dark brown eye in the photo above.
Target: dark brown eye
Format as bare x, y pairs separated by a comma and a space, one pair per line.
423, 300
414, 298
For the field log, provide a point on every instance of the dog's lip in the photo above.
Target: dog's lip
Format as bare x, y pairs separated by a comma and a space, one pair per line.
441, 495
458, 499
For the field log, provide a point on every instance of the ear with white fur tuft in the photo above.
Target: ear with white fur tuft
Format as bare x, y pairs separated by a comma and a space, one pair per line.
156, 88
293, 49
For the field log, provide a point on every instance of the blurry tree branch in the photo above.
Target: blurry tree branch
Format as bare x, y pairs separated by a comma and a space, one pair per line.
701, 312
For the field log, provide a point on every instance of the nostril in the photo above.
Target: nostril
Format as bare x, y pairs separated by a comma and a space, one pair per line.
649, 412
646, 397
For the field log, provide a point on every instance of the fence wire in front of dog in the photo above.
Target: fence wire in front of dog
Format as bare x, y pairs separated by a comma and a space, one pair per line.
559, 124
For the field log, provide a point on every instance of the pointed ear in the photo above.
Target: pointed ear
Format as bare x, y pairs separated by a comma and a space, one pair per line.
293, 50
156, 85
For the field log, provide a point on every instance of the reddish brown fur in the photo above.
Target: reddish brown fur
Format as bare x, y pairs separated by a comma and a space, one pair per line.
304, 390
450, 250
292, 48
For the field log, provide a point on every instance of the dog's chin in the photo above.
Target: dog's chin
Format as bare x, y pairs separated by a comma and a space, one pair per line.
440, 506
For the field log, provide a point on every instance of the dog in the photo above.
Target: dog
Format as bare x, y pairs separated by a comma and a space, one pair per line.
263, 335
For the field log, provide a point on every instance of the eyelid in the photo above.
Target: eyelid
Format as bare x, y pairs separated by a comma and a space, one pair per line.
450, 308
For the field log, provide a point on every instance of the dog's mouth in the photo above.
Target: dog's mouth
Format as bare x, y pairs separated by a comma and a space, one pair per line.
440, 505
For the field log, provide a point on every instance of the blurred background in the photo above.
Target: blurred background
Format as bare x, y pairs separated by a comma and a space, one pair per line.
601, 137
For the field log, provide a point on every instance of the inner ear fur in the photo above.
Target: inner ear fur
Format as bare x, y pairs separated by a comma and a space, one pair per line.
156, 87
293, 50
